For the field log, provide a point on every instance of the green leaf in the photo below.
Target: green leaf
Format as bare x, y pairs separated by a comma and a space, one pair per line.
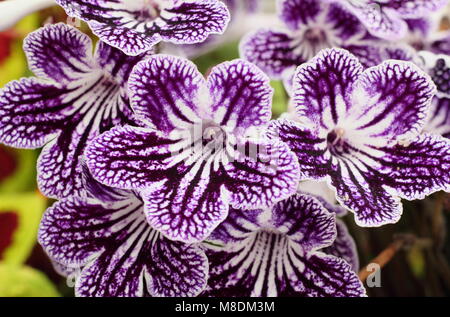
23, 281
29, 208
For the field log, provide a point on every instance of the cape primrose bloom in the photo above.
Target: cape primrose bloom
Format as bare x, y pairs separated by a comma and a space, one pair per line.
361, 132
386, 18
106, 239
76, 96
196, 151
311, 25
135, 26
278, 252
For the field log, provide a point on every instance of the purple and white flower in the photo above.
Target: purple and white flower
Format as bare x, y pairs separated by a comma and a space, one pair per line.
387, 18
361, 132
76, 96
310, 26
278, 252
196, 151
136, 26
105, 241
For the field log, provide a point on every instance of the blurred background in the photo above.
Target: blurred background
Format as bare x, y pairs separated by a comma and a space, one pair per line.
415, 252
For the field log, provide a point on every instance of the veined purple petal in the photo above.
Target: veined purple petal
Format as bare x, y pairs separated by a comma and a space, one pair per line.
344, 246
118, 253
304, 220
166, 92
24, 118
69, 51
418, 168
310, 149
271, 50
189, 207
135, 27
360, 189
296, 13
241, 95
386, 19
391, 101
261, 174
274, 254
323, 87
131, 157
380, 21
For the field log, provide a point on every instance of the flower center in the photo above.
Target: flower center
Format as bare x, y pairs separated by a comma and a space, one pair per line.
315, 36
213, 136
337, 144
309, 42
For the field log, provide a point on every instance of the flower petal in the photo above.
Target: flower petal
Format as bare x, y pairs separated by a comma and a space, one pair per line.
419, 168
187, 208
360, 189
322, 88
271, 50
118, 252
166, 92
380, 21
241, 95
344, 246
136, 27
311, 150
304, 219
261, 174
296, 13
391, 101
130, 157
26, 109
69, 51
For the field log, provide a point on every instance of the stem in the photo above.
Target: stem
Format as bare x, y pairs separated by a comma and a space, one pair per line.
386, 255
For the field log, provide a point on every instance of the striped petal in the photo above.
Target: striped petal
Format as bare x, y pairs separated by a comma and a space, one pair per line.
136, 26
241, 95
166, 92
323, 88
118, 253
275, 254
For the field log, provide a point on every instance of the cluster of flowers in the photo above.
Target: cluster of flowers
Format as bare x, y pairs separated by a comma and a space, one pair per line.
170, 184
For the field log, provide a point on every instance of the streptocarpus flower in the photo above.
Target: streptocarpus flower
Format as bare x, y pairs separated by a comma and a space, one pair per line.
278, 252
386, 18
106, 238
360, 131
76, 96
196, 153
311, 25
136, 26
